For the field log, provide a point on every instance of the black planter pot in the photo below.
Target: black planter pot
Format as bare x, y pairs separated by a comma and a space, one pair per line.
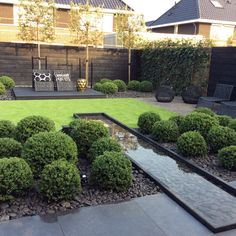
191, 94
165, 94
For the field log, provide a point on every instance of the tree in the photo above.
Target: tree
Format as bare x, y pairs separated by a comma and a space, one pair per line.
86, 27
36, 22
127, 25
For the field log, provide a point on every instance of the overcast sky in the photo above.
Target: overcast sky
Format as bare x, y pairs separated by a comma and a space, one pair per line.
151, 9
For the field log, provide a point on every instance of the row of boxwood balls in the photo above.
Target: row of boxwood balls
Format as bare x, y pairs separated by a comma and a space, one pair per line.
197, 134
34, 151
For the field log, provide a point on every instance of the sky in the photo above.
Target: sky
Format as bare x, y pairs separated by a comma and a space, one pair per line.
151, 9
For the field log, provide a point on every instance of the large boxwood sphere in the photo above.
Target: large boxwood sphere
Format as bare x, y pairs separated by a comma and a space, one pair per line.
9, 147
104, 80
109, 88
177, 119
165, 131
205, 110
227, 157
146, 121
232, 124
7, 81
146, 86
86, 133
134, 85
59, 180
97, 87
224, 120
7, 129
102, 145
2, 89
16, 177
191, 144
44, 148
198, 122
220, 137
31, 125
120, 84
112, 170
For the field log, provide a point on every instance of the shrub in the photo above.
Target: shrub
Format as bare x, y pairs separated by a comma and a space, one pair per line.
59, 180
120, 84
220, 137
227, 157
232, 124
146, 121
9, 147
112, 170
134, 85
16, 177
87, 133
224, 120
31, 125
165, 131
104, 80
44, 148
198, 122
146, 86
177, 119
109, 88
97, 87
192, 144
76, 122
204, 110
7, 81
7, 129
102, 145
2, 89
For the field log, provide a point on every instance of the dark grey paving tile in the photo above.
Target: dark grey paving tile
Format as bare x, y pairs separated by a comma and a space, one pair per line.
124, 219
30, 226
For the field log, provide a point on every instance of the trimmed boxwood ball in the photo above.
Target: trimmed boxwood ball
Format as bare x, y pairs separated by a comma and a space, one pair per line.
134, 85
177, 119
59, 180
146, 121
198, 122
120, 84
87, 133
191, 144
16, 177
224, 120
9, 147
7, 129
165, 131
204, 110
7, 81
104, 80
46, 147
232, 124
31, 125
146, 86
2, 89
220, 137
97, 86
102, 145
227, 157
109, 88
76, 122
112, 170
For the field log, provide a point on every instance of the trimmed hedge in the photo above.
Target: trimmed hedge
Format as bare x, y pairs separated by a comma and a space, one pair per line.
224, 120
112, 170
32, 125
104, 80
9, 147
109, 88
44, 148
134, 85
7, 129
2, 89
146, 86
191, 144
204, 110
59, 180
97, 87
146, 121
7, 81
227, 157
120, 84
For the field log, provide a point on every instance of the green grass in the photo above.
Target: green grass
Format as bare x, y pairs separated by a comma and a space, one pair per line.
61, 111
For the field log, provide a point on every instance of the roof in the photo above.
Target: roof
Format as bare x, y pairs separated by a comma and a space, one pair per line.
188, 10
149, 23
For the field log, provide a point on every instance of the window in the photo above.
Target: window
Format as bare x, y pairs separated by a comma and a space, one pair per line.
216, 3
6, 13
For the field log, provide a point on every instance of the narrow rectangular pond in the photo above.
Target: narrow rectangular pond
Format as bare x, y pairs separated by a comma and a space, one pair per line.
210, 204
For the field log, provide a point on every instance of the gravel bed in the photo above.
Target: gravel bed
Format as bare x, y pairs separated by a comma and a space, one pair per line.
32, 204
8, 96
132, 94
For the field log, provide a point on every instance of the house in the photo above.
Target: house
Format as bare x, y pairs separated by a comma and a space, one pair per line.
9, 18
214, 19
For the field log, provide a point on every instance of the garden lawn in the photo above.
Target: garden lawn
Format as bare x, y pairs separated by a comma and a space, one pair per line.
61, 111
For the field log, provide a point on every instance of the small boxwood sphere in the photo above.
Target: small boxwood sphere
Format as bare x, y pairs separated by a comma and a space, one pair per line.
109, 88
120, 84
7, 81
16, 177
104, 80
102, 145
232, 124
31, 125
87, 133
97, 87
204, 110
165, 131
227, 157
76, 122
9, 147
191, 144
146, 121
146, 86
112, 170
177, 119
2, 89
46, 147
220, 137
224, 120
59, 180
7, 129
198, 122
134, 85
